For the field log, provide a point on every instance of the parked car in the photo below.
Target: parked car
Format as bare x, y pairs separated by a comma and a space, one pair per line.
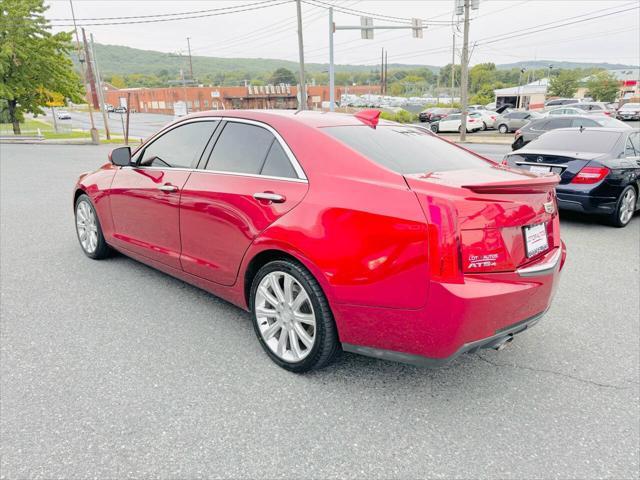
108, 107
511, 121
572, 110
453, 122
629, 111
534, 129
120, 109
435, 114
335, 235
488, 118
599, 169
63, 115
594, 107
556, 102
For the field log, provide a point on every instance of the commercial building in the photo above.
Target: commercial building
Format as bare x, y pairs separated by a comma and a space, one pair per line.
163, 100
530, 96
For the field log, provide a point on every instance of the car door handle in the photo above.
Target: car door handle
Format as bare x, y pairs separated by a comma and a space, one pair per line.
167, 187
270, 196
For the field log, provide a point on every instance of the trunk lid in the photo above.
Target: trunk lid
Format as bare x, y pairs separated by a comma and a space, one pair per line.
564, 163
487, 213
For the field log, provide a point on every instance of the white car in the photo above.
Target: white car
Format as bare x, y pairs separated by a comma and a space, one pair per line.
571, 111
488, 118
629, 111
452, 123
62, 115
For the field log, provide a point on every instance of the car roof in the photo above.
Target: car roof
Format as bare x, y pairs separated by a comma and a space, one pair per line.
306, 117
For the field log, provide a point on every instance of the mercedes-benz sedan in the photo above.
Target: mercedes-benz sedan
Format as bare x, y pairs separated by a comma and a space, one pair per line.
336, 232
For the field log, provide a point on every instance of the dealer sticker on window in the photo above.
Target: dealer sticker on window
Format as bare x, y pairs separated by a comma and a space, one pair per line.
535, 237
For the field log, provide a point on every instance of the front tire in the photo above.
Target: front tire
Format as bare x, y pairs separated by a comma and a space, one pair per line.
434, 128
292, 318
625, 208
89, 230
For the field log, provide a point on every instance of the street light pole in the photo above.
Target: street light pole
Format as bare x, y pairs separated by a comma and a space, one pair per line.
465, 74
332, 82
303, 89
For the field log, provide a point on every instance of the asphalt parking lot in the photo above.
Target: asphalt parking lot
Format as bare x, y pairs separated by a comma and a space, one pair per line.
111, 369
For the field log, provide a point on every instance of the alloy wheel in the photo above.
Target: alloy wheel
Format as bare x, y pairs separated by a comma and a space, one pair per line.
285, 316
627, 206
87, 226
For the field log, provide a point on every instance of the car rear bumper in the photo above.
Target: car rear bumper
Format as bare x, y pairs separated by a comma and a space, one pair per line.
483, 312
586, 203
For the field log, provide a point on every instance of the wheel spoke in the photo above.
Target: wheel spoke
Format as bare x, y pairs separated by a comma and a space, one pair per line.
275, 287
304, 336
272, 330
307, 318
282, 342
264, 291
266, 312
288, 289
299, 300
295, 345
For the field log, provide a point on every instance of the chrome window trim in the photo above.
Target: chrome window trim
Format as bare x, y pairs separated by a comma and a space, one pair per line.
302, 178
558, 165
219, 172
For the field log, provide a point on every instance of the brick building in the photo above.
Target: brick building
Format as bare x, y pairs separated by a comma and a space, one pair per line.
162, 100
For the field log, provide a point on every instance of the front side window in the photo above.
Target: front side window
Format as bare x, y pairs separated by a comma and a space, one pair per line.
559, 123
405, 149
180, 147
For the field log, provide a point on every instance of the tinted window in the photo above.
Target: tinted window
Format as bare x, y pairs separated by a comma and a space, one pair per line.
452, 117
574, 140
538, 126
554, 102
581, 122
405, 149
277, 163
179, 147
241, 148
632, 147
559, 123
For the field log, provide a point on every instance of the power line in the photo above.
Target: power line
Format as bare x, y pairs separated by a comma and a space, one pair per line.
215, 14
192, 12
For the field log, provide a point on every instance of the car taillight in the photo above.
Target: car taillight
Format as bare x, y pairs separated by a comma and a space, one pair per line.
444, 250
590, 175
518, 133
492, 117
608, 114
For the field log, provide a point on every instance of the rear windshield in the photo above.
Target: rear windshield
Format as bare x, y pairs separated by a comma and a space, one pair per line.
405, 149
578, 141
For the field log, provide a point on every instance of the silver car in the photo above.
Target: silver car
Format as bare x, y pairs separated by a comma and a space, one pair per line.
512, 121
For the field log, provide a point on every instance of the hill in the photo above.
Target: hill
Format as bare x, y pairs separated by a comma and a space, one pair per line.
534, 64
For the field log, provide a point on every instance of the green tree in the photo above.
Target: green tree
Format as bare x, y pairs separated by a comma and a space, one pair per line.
283, 75
565, 84
603, 87
34, 63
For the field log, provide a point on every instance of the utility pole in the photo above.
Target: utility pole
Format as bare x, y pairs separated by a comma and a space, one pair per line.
464, 83
382, 72
453, 66
100, 90
303, 85
332, 82
190, 61
386, 71
92, 80
95, 139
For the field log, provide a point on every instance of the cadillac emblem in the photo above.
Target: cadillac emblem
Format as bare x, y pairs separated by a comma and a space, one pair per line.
548, 207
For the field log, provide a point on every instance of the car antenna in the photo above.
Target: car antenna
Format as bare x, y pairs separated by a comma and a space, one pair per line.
581, 128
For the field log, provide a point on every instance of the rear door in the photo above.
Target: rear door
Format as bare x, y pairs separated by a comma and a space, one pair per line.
247, 181
145, 198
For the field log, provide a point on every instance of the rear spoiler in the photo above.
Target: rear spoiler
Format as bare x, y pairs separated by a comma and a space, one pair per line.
534, 184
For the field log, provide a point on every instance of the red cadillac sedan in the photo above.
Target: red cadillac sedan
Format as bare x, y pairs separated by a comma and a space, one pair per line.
337, 232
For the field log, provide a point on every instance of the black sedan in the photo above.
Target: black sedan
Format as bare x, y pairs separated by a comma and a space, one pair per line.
599, 169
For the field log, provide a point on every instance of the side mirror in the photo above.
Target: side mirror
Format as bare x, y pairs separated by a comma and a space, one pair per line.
120, 156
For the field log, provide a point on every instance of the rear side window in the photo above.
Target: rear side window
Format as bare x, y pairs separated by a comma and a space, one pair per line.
241, 148
405, 149
582, 122
180, 147
632, 147
577, 141
559, 123
277, 163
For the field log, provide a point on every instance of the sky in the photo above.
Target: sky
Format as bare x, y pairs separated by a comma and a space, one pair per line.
262, 31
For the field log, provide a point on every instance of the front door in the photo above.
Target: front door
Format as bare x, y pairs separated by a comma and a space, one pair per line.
251, 179
145, 198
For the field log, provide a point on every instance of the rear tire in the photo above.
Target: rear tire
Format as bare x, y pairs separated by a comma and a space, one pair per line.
518, 144
502, 128
625, 208
298, 335
88, 229
434, 128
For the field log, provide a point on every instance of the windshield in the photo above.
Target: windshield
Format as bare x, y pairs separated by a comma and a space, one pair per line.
630, 106
405, 149
596, 141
